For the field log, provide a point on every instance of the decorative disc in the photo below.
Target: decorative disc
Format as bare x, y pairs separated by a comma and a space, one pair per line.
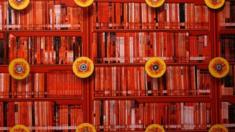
214, 4
155, 67
84, 3
218, 67
19, 4
218, 128
83, 67
19, 68
19, 128
85, 127
155, 128
155, 3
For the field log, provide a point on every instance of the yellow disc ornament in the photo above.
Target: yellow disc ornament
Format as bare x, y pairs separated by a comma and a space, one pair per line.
19, 68
218, 128
19, 128
218, 67
155, 67
19, 4
155, 128
83, 67
155, 3
214, 4
85, 127
84, 3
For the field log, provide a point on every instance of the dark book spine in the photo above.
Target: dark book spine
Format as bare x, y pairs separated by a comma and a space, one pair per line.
5, 115
57, 44
2, 52
101, 113
182, 14
79, 45
77, 48
232, 113
99, 38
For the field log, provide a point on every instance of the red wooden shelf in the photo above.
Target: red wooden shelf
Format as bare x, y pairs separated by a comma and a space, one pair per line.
167, 1
227, 32
48, 68
191, 31
167, 130
42, 68
186, 130
228, 99
142, 64
68, 100
26, 33
159, 99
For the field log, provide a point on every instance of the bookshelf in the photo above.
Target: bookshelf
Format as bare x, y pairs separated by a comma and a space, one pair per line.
119, 36
226, 39
52, 98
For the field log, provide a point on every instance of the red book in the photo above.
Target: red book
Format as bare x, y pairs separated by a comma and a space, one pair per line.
122, 78
97, 81
103, 10
1, 114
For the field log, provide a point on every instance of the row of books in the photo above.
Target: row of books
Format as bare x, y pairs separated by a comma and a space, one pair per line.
137, 47
41, 85
227, 47
41, 115
50, 15
45, 49
140, 16
118, 115
228, 85
227, 113
133, 81
226, 16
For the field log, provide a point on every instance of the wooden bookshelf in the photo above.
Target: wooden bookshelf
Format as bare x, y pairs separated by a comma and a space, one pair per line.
119, 36
224, 34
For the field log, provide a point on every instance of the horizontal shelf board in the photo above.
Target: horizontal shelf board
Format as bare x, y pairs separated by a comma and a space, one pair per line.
142, 1
228, 99
168, 130
187, 130
68, 100
227, 32
142, 64
191, 31
25, 33
48, 68
160, 99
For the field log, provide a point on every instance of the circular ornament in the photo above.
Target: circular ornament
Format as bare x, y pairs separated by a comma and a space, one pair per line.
155, 3
19, 128
214, 4
84, 3
155, 67
83, 67
218, 128
85, 127
155, 127
218, 67
19, 68
19, 4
